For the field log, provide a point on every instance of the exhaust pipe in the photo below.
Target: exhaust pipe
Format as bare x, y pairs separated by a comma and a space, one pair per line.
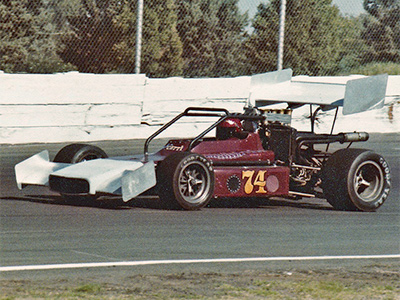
342, 137
354, 137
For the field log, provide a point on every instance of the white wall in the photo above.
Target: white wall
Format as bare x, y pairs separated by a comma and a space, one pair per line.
86, 107
71, 106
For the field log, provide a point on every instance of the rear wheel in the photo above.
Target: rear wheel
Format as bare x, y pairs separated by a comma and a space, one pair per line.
185, 180
76, 153
356, 179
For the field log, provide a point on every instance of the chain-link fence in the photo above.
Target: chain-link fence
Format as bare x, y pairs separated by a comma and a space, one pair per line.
200, 38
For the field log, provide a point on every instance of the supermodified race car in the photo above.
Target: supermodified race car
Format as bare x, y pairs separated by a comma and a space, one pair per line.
251, 154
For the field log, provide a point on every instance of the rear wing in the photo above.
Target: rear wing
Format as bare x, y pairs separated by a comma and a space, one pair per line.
354, 95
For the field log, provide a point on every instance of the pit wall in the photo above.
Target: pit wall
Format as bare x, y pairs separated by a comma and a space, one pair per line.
75, 107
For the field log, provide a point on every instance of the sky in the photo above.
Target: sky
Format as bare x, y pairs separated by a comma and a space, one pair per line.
347, 7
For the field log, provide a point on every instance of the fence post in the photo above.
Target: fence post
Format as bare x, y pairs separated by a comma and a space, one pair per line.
139, 24
281, 34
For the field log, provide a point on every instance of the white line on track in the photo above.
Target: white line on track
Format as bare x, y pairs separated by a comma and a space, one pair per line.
190, 261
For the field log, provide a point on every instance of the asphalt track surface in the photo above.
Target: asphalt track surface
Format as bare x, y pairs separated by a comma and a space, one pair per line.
41, 229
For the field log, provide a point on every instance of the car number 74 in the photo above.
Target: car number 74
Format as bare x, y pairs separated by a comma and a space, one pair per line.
259, 181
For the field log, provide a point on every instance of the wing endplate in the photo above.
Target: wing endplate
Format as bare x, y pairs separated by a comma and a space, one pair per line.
36, 169
365, 94
135, 182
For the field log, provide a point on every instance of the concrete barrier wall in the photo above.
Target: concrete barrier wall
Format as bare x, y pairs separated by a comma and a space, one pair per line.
71, 106
166, 98
86, 107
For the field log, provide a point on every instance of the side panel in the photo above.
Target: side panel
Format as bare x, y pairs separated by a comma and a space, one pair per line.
251, 181
251, 143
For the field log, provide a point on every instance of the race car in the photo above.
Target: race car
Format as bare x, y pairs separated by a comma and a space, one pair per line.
255, 153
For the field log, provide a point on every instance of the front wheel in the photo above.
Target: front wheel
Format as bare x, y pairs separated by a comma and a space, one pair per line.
356, 179
76, 153
185, 180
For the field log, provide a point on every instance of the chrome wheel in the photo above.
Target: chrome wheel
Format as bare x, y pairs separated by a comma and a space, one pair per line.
356, 179
185, 181
368, 181
194, 182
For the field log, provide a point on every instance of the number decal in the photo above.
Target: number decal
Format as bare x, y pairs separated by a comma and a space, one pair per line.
248, 187
259, 181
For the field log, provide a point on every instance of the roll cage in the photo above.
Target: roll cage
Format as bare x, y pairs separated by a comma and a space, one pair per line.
222, 113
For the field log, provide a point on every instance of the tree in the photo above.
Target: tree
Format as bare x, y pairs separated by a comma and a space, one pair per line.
351, 45
89, 45
162, 47
313, 37
382, 31
27, 42
212, 33
103, 34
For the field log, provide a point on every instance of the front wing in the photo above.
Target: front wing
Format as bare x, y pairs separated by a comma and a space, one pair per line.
128, 178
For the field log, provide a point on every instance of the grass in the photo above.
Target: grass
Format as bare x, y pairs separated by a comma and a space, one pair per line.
377, 68
249, 285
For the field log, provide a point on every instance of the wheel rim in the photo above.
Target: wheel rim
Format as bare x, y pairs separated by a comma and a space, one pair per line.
90, 156
368, 181
194, 183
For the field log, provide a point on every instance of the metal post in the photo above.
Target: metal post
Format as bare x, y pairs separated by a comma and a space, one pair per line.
281, 34
139, 24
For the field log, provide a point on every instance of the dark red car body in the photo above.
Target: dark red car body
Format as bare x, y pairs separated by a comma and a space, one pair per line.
242, 167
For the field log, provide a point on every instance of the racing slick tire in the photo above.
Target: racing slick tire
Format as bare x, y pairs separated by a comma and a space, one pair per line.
76, 153
356, 179
185, 181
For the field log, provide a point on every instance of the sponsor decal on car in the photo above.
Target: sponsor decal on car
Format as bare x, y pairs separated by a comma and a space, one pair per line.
174, 148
